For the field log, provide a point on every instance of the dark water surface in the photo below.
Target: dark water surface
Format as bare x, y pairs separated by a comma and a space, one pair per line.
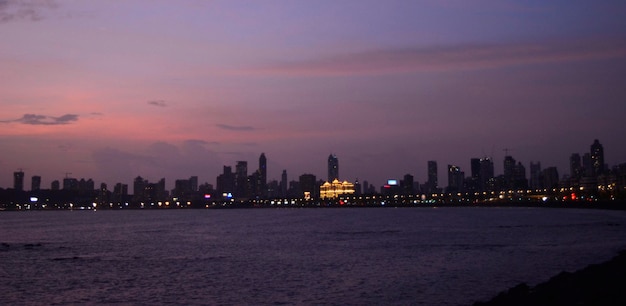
407, 256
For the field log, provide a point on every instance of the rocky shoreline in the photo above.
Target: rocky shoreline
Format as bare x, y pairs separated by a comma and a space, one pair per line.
598, 284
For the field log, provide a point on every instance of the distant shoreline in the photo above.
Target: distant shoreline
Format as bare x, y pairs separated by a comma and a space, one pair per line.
603, 205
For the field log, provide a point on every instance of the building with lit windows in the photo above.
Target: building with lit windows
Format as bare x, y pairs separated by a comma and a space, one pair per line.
335, 189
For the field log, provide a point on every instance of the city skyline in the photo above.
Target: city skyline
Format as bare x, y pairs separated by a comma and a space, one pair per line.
113, 90
589, 164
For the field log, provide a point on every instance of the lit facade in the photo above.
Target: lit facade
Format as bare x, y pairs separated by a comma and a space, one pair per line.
336, 189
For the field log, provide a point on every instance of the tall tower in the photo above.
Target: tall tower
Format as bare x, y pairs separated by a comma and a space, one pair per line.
535, 175
35, 183
18, 180
597, 157
283, 183
263, 172
575, 166
241, 179
486, 173
432, 176
333, 168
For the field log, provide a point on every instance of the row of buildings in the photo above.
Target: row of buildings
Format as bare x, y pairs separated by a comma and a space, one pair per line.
588, 173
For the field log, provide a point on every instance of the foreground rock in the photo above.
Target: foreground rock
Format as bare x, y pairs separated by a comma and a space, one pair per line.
601, 284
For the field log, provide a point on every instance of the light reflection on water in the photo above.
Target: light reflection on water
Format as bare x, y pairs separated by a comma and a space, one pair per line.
445, 256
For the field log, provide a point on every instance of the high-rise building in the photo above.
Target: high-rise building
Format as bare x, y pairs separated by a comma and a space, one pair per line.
226, 181
18, 180
263, 174
509, 169
193, 183
475, 168
308, 185
333, 168
550, 178
357, 188
535, 176
486, 174
575, 166
519, 177
597, 158
241, 179
406, 185
35, 183
283, 184
432, 183
455, 179
366, 187
588, 165
70, 183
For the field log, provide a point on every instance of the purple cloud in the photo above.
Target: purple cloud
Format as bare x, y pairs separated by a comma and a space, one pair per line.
11, 10
159, 103
34, 119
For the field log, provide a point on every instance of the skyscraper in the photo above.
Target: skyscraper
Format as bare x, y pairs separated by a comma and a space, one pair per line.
333, 168
486, 174
509, 170
597, 158
283, 184
241, 179
35, 183
535, 176
18, 180
475, 168
455, 179
432, 177
263, 174
588, 165
575, 166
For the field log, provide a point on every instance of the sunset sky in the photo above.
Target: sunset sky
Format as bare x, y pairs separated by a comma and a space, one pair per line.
114, 89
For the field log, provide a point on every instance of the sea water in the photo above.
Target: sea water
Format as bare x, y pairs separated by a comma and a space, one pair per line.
407, 256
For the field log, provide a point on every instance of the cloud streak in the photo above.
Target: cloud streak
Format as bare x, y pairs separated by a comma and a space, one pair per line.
159, 103
34, 119
449, 58
235, 128
11, 10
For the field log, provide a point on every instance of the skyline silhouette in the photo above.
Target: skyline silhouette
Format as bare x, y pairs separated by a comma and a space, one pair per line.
114, 90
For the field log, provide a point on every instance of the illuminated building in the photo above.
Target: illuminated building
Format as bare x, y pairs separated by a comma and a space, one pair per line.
575, 166
333, 168
308, 185
336, 189
226, 181
455, 179
486, 174
597, 158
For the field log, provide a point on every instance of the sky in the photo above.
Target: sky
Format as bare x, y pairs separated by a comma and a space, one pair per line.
110, 90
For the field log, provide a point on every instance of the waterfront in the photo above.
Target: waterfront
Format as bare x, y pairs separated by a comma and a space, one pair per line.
445, 256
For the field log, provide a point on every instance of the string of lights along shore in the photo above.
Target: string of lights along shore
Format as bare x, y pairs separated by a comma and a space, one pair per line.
589, 180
